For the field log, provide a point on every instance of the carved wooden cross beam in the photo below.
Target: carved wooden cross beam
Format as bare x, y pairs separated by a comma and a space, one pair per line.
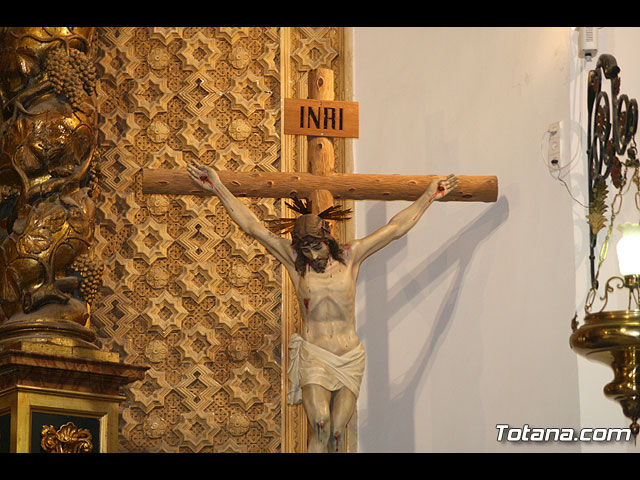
352, 186
321, 118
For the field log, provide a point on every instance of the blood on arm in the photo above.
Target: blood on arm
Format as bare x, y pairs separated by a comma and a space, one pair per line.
205, 178
441, 188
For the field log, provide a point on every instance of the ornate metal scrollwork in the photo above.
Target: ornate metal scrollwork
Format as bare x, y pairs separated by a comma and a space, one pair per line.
611, 336
48, 138
609, 288
68, 439
612, 125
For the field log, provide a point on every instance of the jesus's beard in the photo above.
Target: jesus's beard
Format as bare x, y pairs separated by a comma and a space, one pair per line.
318, 264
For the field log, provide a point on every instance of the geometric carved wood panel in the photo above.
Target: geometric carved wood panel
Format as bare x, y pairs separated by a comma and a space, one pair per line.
185, 292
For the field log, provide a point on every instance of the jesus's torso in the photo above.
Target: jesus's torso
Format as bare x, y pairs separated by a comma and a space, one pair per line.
327, 304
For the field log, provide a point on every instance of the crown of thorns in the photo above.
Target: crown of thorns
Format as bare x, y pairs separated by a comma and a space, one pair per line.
303, 207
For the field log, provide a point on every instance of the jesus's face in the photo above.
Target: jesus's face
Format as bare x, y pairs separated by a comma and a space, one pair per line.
317, 254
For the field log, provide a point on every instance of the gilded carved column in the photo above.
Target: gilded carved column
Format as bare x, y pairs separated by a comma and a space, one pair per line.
48, 136
52, 374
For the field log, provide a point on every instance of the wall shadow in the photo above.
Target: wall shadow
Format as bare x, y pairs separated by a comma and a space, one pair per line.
387, 424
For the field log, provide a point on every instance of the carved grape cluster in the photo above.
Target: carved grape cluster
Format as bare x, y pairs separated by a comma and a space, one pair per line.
7, 194
93, 178
72, 74
90, 270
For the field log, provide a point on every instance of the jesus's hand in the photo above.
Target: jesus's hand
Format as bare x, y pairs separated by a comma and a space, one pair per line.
204, 176
440, 188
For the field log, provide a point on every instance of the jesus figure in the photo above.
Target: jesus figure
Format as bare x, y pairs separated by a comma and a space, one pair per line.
327, 357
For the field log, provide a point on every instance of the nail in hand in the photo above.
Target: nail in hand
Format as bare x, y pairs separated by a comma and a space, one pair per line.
205, 178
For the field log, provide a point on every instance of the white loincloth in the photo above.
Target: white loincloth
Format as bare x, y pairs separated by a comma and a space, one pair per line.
310, 364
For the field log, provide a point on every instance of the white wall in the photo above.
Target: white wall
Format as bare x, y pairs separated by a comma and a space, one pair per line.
466, 321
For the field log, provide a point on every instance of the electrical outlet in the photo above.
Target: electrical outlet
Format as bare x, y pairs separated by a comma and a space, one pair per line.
555, 145
588, 40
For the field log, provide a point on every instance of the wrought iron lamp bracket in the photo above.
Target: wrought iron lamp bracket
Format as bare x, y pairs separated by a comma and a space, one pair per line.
611, 336
611, 127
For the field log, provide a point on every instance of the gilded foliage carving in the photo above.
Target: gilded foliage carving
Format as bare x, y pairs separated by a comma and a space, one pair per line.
48, 173
67, 439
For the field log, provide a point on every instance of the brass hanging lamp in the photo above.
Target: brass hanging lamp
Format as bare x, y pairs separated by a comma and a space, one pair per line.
612, 337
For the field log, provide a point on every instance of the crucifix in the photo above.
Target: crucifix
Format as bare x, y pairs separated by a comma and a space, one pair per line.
326, 362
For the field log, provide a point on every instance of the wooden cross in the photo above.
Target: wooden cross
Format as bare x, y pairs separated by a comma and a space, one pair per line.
321, 118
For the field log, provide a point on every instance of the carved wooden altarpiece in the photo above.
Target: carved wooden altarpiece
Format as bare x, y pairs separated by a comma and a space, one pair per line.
184, 290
